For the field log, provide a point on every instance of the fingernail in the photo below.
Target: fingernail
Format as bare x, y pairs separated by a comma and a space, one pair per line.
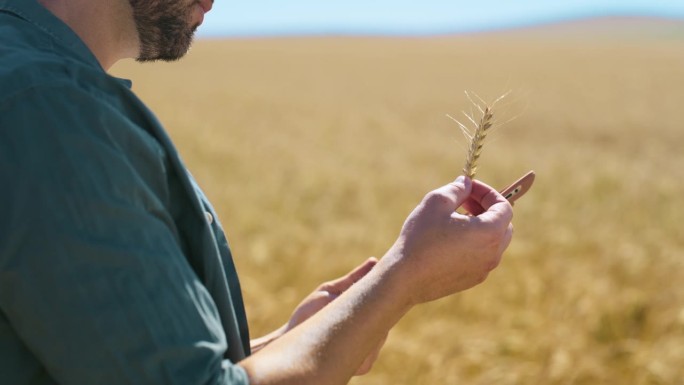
460, 180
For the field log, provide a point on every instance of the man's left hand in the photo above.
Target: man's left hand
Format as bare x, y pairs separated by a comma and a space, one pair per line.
317, 300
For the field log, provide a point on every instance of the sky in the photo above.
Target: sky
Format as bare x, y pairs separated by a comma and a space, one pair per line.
404, 17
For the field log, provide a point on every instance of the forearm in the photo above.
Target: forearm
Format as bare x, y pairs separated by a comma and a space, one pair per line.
438, 253
329, 347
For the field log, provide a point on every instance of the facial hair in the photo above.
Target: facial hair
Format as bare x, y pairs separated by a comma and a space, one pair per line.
164, 28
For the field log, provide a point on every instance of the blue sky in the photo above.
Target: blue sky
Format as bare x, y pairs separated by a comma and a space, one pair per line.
277, 17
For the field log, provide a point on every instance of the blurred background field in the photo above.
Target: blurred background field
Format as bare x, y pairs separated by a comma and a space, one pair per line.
314, 150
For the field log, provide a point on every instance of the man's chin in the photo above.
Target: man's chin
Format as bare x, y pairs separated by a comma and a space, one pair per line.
164, 58
166, 55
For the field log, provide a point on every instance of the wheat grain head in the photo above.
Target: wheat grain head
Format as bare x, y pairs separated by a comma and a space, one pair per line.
476, 130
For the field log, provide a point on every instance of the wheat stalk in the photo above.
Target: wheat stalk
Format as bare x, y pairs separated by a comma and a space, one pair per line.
477, 134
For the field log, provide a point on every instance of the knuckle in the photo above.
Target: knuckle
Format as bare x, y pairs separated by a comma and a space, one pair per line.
507, 216
493, 262
481, 278
436, 198
326, 286
365, 369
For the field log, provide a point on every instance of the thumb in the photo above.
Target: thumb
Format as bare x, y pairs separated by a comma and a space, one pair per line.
451, 196
340, 285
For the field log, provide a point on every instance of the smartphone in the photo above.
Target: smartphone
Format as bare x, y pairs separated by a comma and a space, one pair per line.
518, 188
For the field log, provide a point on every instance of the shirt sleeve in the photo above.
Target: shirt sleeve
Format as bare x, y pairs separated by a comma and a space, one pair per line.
93, 278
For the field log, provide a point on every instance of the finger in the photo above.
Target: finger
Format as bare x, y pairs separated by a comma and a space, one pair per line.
449, 197
506, 241
340, 285
485, 195
472, 207
497, 210
317, 301
310, 306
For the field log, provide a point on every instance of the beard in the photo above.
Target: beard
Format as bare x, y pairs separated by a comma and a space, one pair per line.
164, 29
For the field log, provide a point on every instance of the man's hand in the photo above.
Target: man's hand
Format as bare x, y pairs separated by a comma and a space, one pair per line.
440, 252
317, 300
327, 292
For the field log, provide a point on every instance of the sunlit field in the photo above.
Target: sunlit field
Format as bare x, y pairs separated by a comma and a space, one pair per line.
314, 150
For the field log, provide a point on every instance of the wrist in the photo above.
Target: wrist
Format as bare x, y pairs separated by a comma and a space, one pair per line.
397, 276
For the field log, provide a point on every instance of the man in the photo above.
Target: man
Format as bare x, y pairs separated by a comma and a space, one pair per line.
113, 266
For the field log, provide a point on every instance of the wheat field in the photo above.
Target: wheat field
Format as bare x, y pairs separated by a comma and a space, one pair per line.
314, 150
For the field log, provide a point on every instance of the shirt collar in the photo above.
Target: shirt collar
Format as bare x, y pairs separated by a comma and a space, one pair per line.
40, 17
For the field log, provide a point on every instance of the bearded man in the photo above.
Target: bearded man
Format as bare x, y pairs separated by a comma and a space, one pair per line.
113, 266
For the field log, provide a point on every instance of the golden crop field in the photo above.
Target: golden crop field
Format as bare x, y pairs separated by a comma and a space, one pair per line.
314, 150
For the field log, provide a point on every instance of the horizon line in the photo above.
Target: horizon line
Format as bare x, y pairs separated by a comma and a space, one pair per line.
435, 31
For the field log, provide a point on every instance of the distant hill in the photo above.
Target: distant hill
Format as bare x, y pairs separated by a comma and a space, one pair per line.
637, 28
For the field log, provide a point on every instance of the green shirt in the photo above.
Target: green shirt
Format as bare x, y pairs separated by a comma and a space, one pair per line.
111, 271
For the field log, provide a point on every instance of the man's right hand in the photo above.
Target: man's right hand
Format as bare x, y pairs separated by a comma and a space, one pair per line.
440, 252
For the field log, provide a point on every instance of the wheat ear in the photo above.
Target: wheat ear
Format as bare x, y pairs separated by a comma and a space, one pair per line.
477, 135
477, 142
